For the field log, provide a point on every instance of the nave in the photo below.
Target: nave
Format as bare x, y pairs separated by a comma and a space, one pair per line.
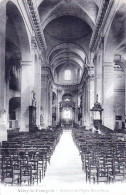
76, 156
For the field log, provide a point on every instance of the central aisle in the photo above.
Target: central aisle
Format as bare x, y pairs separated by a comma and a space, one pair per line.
65, 166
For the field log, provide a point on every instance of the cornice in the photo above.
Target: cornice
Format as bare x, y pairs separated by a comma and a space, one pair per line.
35, 22
88, 73
119, 90
67, 86
106, 6
49, 72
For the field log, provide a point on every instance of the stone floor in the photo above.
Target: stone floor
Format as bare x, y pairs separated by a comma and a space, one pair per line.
66, 165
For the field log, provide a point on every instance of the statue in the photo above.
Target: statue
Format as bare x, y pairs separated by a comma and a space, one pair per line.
33, 99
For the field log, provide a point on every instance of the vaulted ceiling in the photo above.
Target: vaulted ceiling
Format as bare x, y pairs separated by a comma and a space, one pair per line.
67, 26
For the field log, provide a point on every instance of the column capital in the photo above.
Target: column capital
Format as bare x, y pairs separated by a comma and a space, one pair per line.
90, 72
34, 43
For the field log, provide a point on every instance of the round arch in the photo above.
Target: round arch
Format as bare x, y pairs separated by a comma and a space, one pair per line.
15, 15
115, 34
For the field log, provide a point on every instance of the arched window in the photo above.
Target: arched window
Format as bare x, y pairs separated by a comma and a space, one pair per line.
67, 75
67, 114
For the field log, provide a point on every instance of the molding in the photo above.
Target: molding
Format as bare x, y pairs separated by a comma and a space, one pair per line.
106, 6
35, 22
119, 90
88, 73
67, 86
108, 64
49, 73
26, 63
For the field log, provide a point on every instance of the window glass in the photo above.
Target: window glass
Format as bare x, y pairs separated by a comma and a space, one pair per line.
67, 75
67, 114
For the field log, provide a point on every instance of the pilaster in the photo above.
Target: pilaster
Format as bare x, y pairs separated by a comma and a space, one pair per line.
108, 106
45, 96
3, 106
121, 62
26, 76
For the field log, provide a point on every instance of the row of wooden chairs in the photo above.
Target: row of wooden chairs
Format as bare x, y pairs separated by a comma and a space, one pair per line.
24, 157
103, 156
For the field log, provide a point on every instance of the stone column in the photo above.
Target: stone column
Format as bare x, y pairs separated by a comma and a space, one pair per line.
37, 89
44, 96
119, 60
91, 92
108, 96
3, 111
98, 80
7, 100
99, 76
125, 96
91, 96
26, 76
83, 104
76, 108
50, 113
37, 59
38, 92
57, 107
86, 102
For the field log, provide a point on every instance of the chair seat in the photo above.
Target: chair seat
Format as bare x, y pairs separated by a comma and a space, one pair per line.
119, 177
34, 172
25, 178
16, 171
102, 179
10, 180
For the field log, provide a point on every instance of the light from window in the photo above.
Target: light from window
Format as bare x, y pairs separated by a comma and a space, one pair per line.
67, 114
67, 75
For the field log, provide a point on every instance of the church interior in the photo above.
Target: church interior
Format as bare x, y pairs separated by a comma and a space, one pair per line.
62, 91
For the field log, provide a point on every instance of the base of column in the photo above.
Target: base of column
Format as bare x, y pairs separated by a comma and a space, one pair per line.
3, 133
125, 130
24, 129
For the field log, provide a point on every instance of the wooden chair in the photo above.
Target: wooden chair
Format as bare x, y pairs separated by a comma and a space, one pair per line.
8, 175
25, 175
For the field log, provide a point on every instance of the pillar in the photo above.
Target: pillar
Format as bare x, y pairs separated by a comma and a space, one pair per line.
108, 96
37, 89
76, 109
98, 80
119, 60
58, 107
91, 93
26, 76
44, 97
83, 104
50, 107
3, 108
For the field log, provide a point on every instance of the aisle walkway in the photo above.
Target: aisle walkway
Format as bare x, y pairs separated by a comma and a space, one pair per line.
66, 165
